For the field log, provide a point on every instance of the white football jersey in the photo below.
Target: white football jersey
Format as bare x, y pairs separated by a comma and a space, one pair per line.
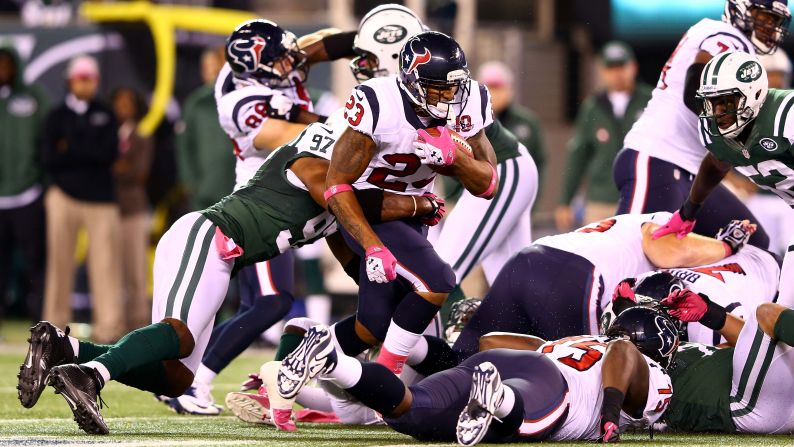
579, 359
739, 283
613, 246
667, 129
242, 111
381, 110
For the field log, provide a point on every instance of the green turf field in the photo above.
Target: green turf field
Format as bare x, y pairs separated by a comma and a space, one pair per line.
136, 419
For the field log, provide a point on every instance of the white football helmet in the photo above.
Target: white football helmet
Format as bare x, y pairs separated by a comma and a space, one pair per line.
733, 88
381, 35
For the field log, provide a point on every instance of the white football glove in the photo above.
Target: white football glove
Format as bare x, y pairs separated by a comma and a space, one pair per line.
436, 151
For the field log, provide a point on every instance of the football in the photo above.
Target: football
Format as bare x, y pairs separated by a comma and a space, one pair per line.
460, 142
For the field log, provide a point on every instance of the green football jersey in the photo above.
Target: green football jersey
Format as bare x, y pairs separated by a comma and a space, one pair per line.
273, 213
701, 378
768, 156
505, 144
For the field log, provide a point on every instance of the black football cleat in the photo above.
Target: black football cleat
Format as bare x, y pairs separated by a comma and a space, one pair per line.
80, 386
48, 346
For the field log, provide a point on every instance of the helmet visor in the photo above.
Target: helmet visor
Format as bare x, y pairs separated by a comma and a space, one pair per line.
724, 111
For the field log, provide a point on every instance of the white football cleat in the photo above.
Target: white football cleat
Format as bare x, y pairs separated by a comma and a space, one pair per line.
487, 393
314, 355
197, 400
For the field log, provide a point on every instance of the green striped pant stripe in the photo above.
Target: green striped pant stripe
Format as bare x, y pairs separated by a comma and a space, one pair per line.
194, 280
506, 204
748, 366
783, 116
191, 239
483, 223
759, 382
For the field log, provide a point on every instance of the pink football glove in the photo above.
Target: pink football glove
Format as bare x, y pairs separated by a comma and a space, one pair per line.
438, 210
675, 225
437, 151
624, 290
381, 265
685, 305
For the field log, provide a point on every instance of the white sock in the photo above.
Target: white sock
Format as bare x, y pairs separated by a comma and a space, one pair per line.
347, 372
418, 353
507, 403
273, 334
103, 371
75, 345
205, 375
314, 398
399, 341
318, 308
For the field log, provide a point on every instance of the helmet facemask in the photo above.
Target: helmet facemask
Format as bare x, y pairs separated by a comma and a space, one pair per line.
766, 26
281, 71
366, 66
440, 99
726, 112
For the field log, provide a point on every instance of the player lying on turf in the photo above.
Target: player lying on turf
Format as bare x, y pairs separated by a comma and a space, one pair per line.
744, 388
578, 388
282, 207
556, 287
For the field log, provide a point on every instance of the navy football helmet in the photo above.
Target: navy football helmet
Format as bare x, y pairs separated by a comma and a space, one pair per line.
434, 74
649, 289
263, 52
650, 330
765, 22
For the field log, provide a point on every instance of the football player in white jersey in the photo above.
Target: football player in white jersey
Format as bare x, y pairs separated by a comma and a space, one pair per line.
662, 152
578, 388
380, 150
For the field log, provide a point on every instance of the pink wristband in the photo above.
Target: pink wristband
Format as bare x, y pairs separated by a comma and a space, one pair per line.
336, 189
728, 249
492, 186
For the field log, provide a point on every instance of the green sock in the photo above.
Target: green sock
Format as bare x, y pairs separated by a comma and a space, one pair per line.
152, 343
89, 351
149, 377
784, 327
454, 296
287, 344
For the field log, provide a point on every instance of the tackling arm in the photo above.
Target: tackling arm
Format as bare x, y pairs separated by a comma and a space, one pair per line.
710, 174
479, 173
670, 252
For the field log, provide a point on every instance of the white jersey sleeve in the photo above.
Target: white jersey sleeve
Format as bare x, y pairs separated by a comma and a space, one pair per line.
667, 129
362, 112
739, 283
477, 113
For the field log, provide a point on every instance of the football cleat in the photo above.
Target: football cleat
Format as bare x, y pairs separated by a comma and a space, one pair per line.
487, 393
48, 346
80, 386
197, 400
248, 407
314, 355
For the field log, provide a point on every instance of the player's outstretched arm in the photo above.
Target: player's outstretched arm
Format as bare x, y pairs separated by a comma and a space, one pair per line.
691, 251
328, 44
624, 379
507, 340
478, 175
690, 307
275, 133
378, 206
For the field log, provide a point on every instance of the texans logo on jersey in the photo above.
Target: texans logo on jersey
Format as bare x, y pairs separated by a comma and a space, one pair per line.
246, 53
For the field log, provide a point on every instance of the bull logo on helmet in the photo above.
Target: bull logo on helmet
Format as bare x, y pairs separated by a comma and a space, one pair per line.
666, 331
247, 52
418, 59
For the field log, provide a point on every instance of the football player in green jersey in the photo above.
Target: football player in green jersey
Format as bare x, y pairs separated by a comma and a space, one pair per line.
748, 127
282, 207
742, 388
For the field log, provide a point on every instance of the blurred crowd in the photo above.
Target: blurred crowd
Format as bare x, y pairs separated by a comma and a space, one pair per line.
76, 169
